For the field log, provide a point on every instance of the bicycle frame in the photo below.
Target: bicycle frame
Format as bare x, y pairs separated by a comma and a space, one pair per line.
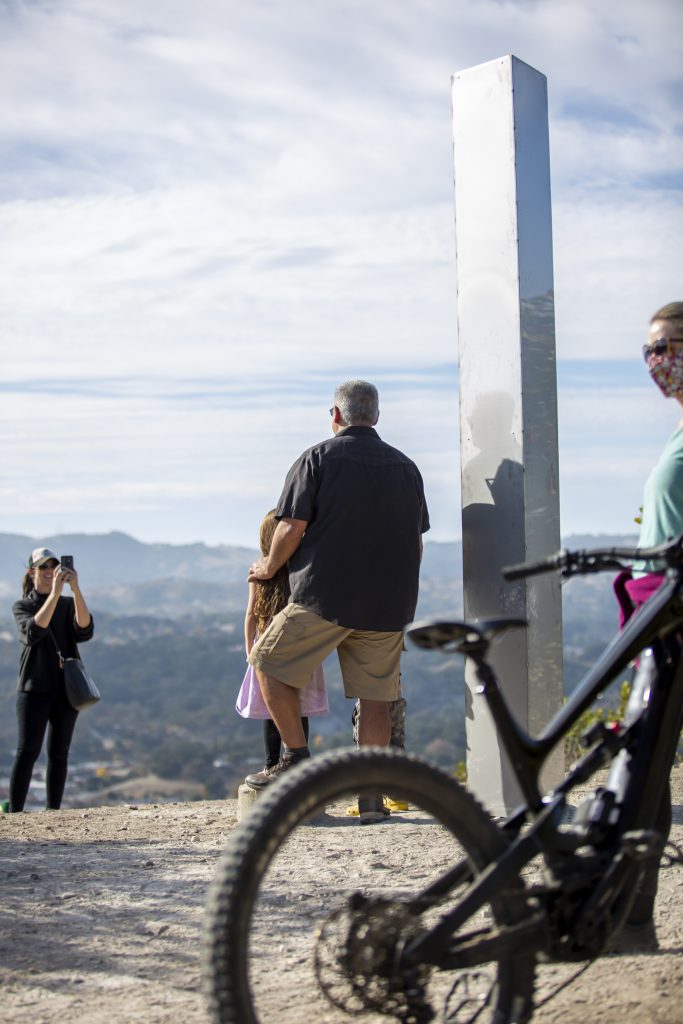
651, 742
662, 615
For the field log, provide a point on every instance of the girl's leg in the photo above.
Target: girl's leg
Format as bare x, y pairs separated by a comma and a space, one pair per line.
355, 714
62, 721
272, 742
32, 717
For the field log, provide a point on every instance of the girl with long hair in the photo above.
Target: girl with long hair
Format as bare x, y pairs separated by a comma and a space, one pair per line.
266, 599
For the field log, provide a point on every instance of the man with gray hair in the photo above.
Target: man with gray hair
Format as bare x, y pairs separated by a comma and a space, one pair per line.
351, 518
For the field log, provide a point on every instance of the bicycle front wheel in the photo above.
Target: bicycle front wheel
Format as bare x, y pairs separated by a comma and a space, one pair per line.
309, 910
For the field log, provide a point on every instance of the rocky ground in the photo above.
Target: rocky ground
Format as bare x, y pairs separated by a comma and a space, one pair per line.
101, 912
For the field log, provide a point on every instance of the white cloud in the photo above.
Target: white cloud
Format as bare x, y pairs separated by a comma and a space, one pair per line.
260, 196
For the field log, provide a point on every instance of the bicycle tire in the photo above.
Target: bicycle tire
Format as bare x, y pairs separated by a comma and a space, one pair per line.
283, 814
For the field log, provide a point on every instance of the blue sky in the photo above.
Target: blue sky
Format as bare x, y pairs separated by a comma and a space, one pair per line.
212, 213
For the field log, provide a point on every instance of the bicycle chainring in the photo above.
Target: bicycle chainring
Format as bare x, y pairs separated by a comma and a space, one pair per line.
356, 961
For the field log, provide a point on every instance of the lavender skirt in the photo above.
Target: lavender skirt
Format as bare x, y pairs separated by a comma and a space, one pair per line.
250, 703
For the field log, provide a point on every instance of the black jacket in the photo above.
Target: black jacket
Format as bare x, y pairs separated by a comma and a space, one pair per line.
39, 663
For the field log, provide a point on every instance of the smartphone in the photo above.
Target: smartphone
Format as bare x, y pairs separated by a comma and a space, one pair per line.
67, 561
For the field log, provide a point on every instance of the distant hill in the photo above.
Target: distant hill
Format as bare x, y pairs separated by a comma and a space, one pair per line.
125, 576
112, 558
120, 574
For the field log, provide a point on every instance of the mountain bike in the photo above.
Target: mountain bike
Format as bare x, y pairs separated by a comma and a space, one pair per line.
442, 913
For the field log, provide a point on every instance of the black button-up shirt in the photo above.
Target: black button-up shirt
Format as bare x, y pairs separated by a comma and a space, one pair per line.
359, 560
39, 668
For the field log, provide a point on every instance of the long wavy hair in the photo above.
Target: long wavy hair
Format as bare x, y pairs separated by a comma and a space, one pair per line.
271, 595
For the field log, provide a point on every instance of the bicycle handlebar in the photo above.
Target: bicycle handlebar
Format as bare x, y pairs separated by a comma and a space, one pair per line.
578, 563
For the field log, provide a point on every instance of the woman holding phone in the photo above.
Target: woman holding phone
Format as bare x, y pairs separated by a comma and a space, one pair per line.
47, 622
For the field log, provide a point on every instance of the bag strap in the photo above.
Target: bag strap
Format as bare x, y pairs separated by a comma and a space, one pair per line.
59, 653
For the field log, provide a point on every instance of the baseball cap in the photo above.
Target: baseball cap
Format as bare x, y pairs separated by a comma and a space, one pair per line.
39, 556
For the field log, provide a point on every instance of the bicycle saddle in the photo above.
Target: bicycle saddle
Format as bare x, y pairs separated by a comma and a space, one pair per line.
440, 634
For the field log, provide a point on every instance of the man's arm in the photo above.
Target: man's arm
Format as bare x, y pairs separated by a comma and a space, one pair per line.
286, 540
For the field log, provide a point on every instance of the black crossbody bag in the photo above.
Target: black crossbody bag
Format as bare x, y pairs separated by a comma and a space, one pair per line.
81, 691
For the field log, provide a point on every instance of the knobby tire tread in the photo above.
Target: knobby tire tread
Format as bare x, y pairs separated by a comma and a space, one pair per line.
286, 804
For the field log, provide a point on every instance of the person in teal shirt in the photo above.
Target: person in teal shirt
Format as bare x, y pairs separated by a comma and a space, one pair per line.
662, 516
662, 520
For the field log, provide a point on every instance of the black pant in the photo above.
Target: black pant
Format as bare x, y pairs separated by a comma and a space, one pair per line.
272, 740
644, 904
35, 712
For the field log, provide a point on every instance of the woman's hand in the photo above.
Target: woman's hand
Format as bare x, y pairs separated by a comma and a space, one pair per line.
59, 578
71, 577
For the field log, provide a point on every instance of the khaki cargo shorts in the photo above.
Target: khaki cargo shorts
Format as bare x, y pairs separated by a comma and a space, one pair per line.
298, 640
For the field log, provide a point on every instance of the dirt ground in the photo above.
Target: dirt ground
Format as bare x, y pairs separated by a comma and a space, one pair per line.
101, 913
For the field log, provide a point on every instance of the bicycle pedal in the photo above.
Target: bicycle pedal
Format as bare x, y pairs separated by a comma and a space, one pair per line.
642, 844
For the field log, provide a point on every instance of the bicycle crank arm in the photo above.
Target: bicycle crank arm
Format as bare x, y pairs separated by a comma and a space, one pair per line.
615, 893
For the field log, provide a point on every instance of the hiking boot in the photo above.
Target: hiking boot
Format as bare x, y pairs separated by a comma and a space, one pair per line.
634, 938
262, 775
260, 779
371, 809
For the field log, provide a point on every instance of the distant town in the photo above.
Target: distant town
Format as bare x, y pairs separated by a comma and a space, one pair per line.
168, 657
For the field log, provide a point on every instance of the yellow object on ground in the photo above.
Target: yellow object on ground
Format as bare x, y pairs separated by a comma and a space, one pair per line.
396, 805
390, 805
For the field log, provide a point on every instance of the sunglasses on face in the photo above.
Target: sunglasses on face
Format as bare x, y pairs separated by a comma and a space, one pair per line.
48, 566
661, 347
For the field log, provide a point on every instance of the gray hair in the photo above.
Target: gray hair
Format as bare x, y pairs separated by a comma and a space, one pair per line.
358, 402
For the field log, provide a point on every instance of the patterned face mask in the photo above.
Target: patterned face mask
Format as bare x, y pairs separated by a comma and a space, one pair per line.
667, 373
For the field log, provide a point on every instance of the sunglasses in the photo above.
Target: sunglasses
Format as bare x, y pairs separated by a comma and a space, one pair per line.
45, 566
660, 347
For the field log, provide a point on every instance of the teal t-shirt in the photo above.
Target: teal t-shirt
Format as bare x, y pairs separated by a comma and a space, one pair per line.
662, 501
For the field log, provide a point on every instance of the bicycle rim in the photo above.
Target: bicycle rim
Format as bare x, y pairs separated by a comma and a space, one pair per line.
285, 935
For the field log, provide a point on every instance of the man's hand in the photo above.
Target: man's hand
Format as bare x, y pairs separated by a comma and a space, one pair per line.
286, 540
260, 571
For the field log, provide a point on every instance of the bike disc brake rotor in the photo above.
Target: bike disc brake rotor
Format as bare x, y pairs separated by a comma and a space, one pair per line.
471, 994
356, 961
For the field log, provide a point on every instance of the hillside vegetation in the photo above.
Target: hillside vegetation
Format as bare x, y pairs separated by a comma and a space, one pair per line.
169, 659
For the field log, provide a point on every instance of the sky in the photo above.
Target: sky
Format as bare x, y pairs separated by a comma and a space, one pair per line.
212, 213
